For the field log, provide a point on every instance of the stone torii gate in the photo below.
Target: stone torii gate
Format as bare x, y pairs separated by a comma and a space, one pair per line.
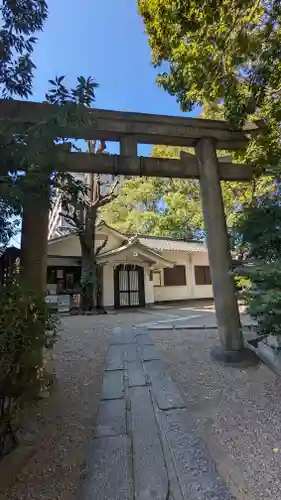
131, 129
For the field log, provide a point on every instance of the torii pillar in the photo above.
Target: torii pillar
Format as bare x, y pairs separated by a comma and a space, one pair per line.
228, 319
34, 242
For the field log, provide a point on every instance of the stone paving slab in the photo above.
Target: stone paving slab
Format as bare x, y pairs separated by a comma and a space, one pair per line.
198, 475
136, 375
109, 475
146, 447
164, 389
111, 419
161, 327
132, 353
149, 352
151, 480
144, 339
113, 385
122, 336
116, 357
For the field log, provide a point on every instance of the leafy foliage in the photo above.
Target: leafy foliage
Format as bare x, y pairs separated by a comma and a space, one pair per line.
26, 328
83, 94
20, 21
258, 231
172, 207
222, 52
262, 294
81, 202
152, 206
8, 224
259, 227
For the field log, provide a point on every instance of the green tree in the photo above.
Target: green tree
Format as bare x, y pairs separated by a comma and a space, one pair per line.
160, 207
258, 233
222, 52
82, 202
20, 22
173, 206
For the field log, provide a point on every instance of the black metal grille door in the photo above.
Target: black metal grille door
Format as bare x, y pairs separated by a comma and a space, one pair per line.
129, 286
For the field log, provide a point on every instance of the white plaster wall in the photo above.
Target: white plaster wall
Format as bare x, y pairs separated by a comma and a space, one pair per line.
113, 240
108, 286
70, 246
201, 291
191, 290
170, 293
148, 287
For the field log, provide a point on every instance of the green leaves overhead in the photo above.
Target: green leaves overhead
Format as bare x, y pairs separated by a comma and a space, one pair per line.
227, 51
172, 207
82, 94
20, 20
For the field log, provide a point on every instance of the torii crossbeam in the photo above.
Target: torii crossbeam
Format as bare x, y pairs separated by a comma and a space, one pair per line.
131, 129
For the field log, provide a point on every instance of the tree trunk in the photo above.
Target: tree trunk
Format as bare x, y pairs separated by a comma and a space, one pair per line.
86, 279
95, 282
90, 279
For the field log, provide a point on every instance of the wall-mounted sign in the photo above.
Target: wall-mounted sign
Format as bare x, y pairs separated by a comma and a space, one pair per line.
76, 300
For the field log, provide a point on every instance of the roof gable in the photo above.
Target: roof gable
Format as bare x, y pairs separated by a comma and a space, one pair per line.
156, 243
142, 249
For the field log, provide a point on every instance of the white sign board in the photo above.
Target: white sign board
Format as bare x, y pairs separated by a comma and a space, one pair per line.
52, 301
63, 303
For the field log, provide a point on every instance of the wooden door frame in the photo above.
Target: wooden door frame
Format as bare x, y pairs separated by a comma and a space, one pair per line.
141, 286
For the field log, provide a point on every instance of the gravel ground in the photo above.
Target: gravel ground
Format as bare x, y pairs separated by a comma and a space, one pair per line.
64, 422
237, 412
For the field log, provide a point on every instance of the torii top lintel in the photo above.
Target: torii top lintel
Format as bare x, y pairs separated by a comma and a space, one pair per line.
145, 128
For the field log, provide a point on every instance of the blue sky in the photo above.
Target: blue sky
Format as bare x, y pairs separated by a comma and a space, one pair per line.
104, 39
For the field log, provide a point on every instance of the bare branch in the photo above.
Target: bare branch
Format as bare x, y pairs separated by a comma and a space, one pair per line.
72, 215
99, 249
107, 198
102, 147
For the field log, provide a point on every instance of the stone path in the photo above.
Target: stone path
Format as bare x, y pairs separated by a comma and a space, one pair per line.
145, 446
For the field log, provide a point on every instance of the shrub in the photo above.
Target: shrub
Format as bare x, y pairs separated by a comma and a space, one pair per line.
261, 291
26, 328
259, 232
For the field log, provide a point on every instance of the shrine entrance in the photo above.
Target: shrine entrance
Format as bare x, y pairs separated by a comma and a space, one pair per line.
131, 129
129, 286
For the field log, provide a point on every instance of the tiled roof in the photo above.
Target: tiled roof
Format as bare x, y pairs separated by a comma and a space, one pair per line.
170, 244
156, 243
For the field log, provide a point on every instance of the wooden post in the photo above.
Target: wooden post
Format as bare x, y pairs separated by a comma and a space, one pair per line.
34, 239
226, 306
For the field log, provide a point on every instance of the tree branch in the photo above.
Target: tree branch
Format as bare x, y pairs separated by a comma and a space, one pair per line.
99, 249
107, 198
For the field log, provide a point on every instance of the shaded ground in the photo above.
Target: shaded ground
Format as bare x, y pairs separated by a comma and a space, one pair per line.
64, 423
237, 412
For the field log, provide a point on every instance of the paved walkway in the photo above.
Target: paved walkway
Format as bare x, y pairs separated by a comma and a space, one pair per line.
145, 447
